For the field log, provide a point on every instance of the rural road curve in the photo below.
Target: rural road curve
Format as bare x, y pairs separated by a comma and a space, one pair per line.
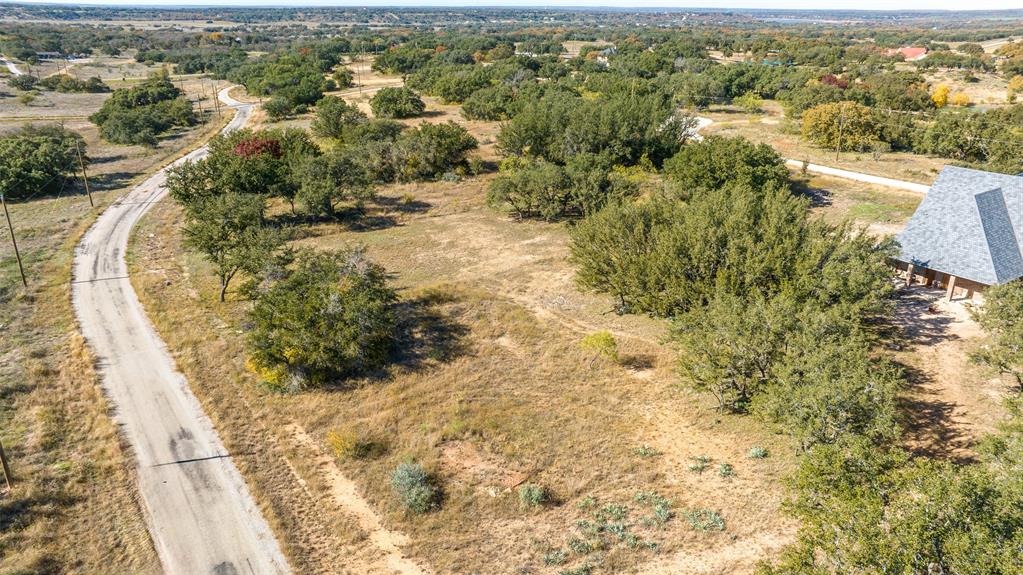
702, 123
11, 66
198, 509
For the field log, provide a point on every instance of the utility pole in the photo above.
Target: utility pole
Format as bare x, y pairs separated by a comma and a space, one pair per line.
216, 99
7, 468
14, 242
85, 177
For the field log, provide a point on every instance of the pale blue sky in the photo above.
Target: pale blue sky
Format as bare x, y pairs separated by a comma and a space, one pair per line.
816, 4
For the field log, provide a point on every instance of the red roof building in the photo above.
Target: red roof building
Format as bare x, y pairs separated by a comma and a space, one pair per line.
909, 53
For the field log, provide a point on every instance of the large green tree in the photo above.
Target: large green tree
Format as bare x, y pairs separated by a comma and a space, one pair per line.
325, 317
228, 230
38, 159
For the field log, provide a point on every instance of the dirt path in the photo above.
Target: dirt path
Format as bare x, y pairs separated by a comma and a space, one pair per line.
198, 508
11, 66
346, 493
950, 402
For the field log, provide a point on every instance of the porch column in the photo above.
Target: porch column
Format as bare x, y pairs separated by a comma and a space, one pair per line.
951, 288
909, 275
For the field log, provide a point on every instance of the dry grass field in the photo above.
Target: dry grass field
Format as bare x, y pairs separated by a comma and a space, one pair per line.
73, 508
772, 127
491, 390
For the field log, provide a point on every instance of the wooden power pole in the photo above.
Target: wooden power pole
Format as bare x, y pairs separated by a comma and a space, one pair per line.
7, 468
14, 242
85, 177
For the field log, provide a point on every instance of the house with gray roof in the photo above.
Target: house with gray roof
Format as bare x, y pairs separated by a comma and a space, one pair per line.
967, 232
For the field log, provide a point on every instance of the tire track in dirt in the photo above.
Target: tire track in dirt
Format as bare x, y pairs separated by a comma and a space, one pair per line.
346, 493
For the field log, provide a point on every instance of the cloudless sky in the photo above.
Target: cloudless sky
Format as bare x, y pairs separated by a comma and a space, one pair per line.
805, 4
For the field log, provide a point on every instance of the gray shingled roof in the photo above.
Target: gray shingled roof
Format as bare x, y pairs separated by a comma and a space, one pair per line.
969, 225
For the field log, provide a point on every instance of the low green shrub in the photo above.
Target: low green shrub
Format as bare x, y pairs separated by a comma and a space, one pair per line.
705, 520
414, 488
533, 495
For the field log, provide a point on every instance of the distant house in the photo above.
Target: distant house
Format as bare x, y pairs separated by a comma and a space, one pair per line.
909, 53
966, 234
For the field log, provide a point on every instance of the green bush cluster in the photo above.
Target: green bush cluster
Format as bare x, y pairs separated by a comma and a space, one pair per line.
325, 317
137, 115
396, 103
38, 159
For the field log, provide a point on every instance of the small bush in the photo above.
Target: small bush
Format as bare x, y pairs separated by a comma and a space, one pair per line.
556, 557
646, 451
278, 108
705, 520
23, 82
699, 464
413, 486
533, 495
396, 103
602, 344
347, 444
580, 546
726, 470
757, 453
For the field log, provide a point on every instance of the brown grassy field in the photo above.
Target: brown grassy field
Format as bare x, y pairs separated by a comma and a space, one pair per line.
491, 389
73, 508
772, 127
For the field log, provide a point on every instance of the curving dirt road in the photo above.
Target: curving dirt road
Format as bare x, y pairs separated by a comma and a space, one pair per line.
11, 66
836, 172
198, 509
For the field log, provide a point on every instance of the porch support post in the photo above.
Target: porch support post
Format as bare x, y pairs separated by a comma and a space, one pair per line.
951, 288
909, 275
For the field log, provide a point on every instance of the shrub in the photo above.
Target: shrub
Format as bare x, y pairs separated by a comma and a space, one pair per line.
137, 115
23, 82
756, 453
555, 557
65, 83
414, 489
960, 99
334, 116
396, 103
602, 344
726, 470
699, 464
841, 126
347, 444
327, 317
750, 102
646, 451
430, 151
278, 108
533, 495
716, 161
38, 158
704, 520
